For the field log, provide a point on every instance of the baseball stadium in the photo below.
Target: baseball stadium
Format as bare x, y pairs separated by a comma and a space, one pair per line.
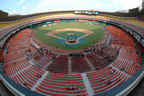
72, 53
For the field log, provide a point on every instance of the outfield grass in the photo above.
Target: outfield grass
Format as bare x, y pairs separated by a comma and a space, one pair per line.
65, 33
63, 25
98, 33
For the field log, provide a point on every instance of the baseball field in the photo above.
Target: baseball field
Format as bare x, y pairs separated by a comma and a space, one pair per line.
56, 34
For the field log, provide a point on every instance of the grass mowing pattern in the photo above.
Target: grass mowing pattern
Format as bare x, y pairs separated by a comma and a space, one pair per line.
92, 39
65, 33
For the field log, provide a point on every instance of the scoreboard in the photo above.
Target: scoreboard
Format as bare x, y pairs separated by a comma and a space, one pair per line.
88, 12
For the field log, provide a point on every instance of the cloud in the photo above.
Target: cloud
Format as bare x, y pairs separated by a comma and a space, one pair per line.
21, 2
13, 12
105, 5
23, 7
23, 10
35, 6
127, 4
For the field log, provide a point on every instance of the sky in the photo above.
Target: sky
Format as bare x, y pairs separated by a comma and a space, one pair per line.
36, 6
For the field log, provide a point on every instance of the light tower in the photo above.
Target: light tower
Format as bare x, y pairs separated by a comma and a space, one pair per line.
142, 4
141, 7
